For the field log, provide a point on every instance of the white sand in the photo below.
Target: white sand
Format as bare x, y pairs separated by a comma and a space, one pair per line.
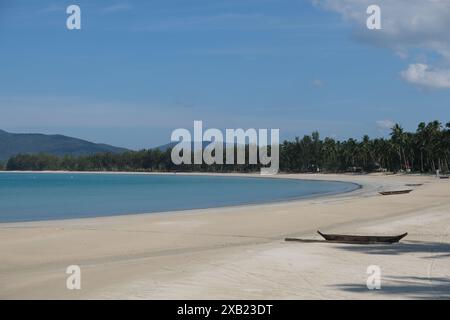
239, 252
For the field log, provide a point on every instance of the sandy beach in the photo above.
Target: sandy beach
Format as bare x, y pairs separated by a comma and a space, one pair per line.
240, 252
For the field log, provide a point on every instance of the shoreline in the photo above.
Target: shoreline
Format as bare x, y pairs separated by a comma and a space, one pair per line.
312, 196
283, 175
232, 252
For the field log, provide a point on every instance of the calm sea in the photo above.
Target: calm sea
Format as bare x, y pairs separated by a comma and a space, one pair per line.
43, 196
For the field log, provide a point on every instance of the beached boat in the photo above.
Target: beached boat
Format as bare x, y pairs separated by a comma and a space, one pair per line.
444, 177
389, 193
342, 238
414, 184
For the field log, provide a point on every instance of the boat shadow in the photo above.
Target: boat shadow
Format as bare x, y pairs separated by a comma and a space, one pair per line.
405, 286
436, 250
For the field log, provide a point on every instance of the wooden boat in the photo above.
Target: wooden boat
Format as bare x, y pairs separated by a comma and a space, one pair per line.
444, 177
414, 184
341, 238
389, 193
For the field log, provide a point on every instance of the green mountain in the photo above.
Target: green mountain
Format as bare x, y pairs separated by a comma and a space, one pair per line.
26, 143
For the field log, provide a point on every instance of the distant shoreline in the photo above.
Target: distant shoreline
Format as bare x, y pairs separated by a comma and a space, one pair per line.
349, 174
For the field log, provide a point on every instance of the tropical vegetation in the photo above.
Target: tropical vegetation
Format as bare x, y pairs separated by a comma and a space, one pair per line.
425, 150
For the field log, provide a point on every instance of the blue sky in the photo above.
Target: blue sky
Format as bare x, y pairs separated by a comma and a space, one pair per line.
139, 69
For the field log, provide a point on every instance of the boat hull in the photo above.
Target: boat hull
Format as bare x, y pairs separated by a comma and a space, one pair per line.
361, 239
389, 193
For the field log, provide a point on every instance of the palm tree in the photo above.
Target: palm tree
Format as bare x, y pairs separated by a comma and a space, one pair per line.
432, 142
398, 141
420, 143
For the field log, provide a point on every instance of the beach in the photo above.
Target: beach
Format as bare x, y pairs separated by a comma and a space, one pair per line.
239, 252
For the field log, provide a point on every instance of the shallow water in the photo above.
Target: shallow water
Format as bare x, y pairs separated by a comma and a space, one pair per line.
43, 196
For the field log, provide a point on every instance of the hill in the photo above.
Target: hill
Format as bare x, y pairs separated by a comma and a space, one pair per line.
29, 143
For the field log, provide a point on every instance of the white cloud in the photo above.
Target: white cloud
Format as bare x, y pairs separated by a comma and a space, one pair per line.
317, 83
402, 53
117, 7
407, 25
422, 75
383, 125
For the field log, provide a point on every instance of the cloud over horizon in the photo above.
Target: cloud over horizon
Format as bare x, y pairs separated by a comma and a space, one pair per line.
384, 125
422, 75
414, 29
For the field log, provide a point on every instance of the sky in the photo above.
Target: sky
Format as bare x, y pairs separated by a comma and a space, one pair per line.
137, 70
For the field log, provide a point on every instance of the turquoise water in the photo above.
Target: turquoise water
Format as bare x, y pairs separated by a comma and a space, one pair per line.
31, 196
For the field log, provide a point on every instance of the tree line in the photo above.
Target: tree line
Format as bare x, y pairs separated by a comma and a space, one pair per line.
425, 150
